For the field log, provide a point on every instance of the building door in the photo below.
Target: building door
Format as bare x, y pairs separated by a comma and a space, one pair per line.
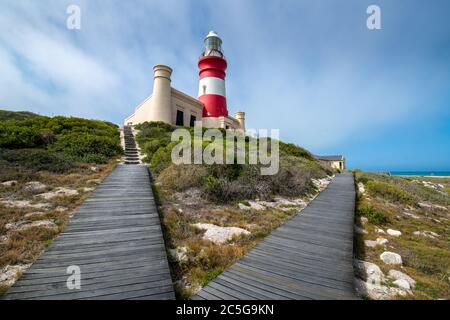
180, 118
192, 121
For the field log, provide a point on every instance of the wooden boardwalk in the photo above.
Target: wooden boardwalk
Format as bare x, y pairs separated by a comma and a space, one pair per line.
116, 240
309, 257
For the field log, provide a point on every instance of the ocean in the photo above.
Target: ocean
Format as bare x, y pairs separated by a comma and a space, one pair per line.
421, 173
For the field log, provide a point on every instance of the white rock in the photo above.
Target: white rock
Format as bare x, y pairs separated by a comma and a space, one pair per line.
219, 234
380, 231
363, 220
382, 241
370, 243
411, 215
256, 206
94, 169
439, 207
402, 284
368, 271
94, 181
361, 188
87, 189
35, 214
374, 243
9, 274
10, 183
377, 291
179, 254
16, 225
35, 186
391, 258
424, 205
61, 209
398, 275
321, 183
25, 204
58, 192
394, 233
22, 225
431, 206
427, 234
243, 206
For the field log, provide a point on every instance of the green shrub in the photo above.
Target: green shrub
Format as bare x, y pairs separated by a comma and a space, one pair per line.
222, 190
36, 159
19, 137
389, 192
161, 159
87, 148
294, 150
374, 216
16, 115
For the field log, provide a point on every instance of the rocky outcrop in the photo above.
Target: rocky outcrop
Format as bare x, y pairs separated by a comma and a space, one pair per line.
25, 204
34, 186
402, 277
10, 273
370, 281
394, 233
179, 254
22, 225
391, 258
10, 183
426, 234
58, 192
377, 242
219, 234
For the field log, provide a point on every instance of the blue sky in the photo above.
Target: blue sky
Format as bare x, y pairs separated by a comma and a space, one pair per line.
310, 68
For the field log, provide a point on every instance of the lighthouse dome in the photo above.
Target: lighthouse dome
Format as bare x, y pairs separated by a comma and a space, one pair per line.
212, 34
213, 45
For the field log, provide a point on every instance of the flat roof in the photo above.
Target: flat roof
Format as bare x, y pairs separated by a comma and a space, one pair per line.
330, 158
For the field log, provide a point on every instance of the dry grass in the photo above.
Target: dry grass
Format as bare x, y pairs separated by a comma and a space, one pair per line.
424, 259
23, 246
205, 259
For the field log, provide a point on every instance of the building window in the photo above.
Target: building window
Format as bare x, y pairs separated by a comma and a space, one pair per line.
180, 120
192, 121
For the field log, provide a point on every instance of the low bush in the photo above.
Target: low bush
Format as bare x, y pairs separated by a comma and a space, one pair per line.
374, 215
15, 137
161, 159
294, 150
182, 177
389, 192
61, 140
36, 160
87, 147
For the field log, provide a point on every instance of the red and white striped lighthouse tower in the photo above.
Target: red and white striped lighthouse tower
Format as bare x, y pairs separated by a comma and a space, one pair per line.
212, 65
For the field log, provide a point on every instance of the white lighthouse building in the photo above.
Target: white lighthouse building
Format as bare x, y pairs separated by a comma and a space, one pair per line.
172, 106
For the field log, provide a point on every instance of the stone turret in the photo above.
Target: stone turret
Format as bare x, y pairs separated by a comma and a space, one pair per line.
161, 104
240, 117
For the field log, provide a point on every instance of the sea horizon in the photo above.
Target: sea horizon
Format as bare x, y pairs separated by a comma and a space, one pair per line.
420, 173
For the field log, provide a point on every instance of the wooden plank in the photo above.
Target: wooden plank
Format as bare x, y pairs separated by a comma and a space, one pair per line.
115, 238
310, 257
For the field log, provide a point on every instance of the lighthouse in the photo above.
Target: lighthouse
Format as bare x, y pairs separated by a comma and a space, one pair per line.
172, 106
211, 91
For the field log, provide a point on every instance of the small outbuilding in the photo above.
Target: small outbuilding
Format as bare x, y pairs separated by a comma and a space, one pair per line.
335, 162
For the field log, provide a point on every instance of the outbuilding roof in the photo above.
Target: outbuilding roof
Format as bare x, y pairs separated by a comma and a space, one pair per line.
330, 158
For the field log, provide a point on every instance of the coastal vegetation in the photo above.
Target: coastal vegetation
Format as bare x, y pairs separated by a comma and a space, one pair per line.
234, 202
48, 166
408, 216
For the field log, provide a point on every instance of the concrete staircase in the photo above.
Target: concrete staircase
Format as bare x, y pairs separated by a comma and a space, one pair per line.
131, 151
